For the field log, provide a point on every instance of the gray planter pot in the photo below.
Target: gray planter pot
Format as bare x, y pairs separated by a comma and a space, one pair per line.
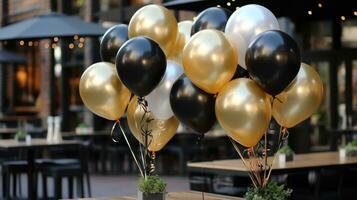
155, 196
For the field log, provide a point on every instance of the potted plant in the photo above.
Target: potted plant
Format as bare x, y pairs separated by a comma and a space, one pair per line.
351, 148
151, 188
83, 128
285, 153
21, 136
271, 191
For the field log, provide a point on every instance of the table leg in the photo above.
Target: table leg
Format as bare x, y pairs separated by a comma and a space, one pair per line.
32, 193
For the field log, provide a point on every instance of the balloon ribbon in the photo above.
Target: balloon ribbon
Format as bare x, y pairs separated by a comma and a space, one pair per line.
128, 143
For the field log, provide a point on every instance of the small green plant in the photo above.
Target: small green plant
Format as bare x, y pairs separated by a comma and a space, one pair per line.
272, 191
21, 134
286, 150
151, 185
351, 148
83, 125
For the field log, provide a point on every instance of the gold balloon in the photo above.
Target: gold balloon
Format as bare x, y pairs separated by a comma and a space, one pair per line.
244, 111
162, 130
183, 36
157, 23
300, 100
209, 60
102, 91
185, 27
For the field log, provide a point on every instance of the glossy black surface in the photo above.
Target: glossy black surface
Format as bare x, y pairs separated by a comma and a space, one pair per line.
211, 18
240, 73
111, 41
140, 64
273, 61
192, 106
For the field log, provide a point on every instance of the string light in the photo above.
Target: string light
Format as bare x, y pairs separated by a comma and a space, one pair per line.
343, 18
228, 3
71, 45
55, 39
237, 7
319, 5
81, 39
30, 43
53, 45
22, 43
309, 12
80, 45
75, 37
233, 0
218, 6
355, 13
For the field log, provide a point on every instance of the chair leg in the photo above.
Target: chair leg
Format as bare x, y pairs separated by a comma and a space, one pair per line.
80, 188
6, 184
14, 184
20, 187
70, 187
58, 187
44, 186
88, 185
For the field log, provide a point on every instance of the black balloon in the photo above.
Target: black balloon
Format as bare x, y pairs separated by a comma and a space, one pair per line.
192, 106
111, 41
211, 18
240, 73
140, 64
273, 61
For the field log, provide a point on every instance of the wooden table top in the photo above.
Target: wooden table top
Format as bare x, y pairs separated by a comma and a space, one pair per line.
302, 161
191, 195
34, 143
86, 134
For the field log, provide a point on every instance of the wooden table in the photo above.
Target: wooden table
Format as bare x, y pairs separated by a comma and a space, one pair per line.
30, 147
301, 162
191, 195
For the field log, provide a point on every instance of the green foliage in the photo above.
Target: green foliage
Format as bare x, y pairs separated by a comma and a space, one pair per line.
83, 125
286, 150
351, 147
21, 134
151, 185
272, 191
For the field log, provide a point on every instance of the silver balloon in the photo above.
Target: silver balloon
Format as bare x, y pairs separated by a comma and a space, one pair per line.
245, 24
159, 99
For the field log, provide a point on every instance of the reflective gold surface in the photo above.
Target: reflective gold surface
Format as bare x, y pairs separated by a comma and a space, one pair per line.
183, 35
157, 23
244, 111
300, 100
209, 60
102, 91
162, 130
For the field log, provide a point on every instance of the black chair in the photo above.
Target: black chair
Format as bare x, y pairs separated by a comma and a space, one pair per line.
12, 169
70, 169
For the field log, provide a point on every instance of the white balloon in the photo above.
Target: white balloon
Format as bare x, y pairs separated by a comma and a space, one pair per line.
159, 99
245, 24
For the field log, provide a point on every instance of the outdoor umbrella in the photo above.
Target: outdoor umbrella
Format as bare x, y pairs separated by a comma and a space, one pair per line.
325, 10
48, 26
8, 57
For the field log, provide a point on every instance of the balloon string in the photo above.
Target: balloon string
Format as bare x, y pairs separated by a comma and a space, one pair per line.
250, 171
283, 136
128, 143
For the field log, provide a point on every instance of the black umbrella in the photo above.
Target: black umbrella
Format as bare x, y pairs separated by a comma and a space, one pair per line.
8, 57
49, 26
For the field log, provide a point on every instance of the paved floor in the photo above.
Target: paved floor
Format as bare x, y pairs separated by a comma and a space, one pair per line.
113, 185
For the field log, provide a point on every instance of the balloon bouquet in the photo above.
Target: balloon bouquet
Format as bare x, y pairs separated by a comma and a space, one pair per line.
235, 68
